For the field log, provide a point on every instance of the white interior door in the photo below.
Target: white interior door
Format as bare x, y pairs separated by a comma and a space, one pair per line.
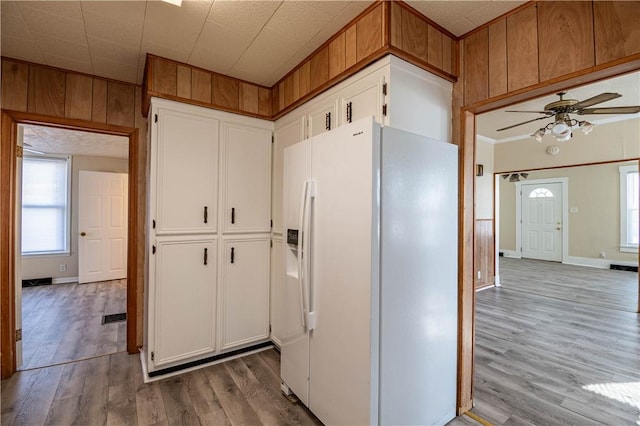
102, 226
542, 221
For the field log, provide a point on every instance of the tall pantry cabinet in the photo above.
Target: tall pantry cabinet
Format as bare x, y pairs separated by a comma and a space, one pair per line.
209, 225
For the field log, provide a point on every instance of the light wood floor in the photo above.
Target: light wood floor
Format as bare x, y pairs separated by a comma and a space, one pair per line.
539, 361
592, 286
63, 322
549, 361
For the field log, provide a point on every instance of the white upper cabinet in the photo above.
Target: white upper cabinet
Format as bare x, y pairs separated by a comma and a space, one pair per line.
184, 172
364, 98
323, 118
246, 181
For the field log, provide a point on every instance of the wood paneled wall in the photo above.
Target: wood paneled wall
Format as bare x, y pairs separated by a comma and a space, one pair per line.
546, 42
484, 254
77, 100
383, 28
44, 90
173, 80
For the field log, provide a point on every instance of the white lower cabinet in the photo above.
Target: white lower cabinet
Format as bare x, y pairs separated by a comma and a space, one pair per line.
244, 291
182, 301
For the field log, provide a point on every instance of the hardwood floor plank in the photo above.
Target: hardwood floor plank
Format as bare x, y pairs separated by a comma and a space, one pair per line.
35, 405
235, 406
121, 406
202, 395
176, 399
64, 411
149, 404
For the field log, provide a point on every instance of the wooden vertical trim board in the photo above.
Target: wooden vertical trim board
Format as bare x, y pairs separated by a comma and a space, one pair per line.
200, 86
132, 244
466, 290
498, 58
7, 245
78, 101
99, 101
183, 84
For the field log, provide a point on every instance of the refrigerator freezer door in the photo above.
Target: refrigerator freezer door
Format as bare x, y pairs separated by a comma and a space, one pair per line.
419, 263
341, 369
295, 339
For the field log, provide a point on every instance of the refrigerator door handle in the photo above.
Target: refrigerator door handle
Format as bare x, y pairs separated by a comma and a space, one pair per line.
310, 315
301, 249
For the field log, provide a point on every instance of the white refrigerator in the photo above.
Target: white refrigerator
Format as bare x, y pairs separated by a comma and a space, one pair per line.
371, 260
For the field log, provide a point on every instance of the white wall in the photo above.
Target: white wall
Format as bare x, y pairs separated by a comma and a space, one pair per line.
594, 226
484, 183
49, 266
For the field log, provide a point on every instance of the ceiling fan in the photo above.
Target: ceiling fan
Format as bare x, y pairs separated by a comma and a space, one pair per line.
562, 124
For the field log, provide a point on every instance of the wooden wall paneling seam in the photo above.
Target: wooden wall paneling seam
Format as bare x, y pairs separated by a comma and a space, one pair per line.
79, 96
476, 72
15, 85
498, 58
395, 26
522, 49
201, 83
183, 84
505, 15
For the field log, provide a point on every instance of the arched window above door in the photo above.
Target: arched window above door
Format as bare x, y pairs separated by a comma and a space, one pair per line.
541, 193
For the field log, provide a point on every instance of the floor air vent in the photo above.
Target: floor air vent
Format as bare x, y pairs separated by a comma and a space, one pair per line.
108, 319
37, 281
624, 268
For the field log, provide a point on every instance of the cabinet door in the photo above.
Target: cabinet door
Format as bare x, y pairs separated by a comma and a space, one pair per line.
183, 292
247, 179
244, 293
185, 172
323, 118
363, 98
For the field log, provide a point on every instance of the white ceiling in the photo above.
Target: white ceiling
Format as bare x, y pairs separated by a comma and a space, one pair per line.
627, 85
50, 140
460, 17
258, 41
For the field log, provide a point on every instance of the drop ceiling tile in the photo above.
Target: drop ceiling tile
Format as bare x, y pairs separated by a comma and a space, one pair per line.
103, 27
267, 52
63, 48
177, 28
115, 70
299, 20
115, 52
60, 27
14, 26
449, 14
21, 48
65, 9
330, 7
126, 12
211, 54
9, 8
492, 10
159, 49
68, 64
248, 18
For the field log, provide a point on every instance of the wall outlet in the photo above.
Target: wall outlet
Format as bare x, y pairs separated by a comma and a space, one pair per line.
63, 268
603, 255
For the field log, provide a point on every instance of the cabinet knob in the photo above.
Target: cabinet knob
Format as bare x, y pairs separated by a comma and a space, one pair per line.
206, 214
349, 112
233, 215
233, 255
82, 234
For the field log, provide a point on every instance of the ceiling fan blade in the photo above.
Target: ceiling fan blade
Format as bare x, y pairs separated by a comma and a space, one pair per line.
520, 124
602, 97
536, 112
610, 110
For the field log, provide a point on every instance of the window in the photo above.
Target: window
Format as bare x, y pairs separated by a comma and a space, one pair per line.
541, 193
45, 205
629, 208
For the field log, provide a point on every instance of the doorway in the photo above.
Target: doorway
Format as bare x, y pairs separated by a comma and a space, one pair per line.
71, 186
8, 264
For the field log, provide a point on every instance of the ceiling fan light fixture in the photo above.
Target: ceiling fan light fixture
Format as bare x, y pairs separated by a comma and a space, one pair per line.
174, 2
538, 134
565, 136
586, 127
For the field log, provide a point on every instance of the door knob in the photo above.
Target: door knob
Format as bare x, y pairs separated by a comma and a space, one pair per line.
82, 234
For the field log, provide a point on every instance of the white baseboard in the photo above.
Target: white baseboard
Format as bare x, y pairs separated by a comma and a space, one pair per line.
65, 280
596, 263
512, 254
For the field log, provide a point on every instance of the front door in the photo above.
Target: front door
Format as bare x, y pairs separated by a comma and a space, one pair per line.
542, 221
102, 225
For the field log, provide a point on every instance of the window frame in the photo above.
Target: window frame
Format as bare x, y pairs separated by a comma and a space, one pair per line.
67, 220
625, 246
